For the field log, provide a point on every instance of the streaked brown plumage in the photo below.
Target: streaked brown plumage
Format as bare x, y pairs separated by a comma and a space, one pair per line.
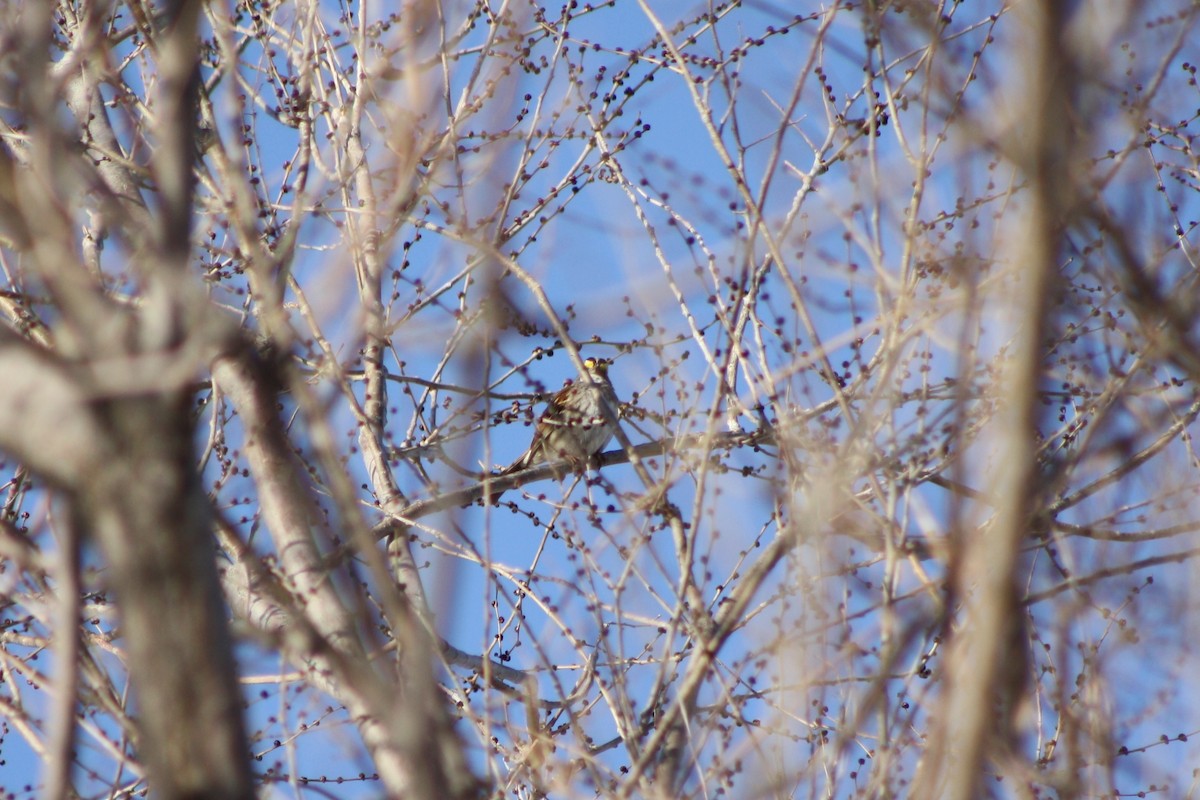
574, 426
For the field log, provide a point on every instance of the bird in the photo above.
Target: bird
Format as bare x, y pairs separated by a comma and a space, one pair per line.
574, 426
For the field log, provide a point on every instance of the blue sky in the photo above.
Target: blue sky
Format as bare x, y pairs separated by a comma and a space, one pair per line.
597, 253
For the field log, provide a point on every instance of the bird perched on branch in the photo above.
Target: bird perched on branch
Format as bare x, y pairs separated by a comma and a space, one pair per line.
575, 426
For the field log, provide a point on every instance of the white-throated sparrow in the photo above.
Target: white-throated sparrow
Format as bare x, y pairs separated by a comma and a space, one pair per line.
574, 425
